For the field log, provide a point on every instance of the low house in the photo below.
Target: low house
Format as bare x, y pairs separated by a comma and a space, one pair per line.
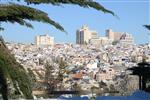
77, 76
105, 74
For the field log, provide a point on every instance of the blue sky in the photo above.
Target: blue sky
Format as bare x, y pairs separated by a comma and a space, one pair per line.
132, 13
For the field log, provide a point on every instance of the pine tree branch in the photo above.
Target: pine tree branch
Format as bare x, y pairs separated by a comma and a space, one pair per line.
147, 26
82, 3
20, 13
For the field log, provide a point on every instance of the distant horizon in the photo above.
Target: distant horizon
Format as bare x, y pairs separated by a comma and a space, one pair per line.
75, 37
133, 15
68, 42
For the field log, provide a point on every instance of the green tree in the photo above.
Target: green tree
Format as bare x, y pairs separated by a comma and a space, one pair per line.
12, 71
115, 42
32, 77
49, 78
3, 81
15, 12
62, 65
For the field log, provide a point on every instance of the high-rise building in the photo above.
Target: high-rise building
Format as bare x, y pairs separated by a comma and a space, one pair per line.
115, 36
122, 37
84, 35
126, 38
110, 34
44, 40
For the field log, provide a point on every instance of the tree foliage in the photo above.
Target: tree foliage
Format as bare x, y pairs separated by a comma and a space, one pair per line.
3, 81
11, 12
147, 26
14, 72
62, 64
32, 77
49, 77
20, 13
82, 3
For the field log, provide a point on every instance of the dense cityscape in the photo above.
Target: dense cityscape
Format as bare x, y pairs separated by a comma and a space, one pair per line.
93, 66
74, 50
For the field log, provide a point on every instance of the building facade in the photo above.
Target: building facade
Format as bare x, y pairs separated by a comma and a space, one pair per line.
115, 36
126, 38
100, 41
84, 35
121, 37
44, 40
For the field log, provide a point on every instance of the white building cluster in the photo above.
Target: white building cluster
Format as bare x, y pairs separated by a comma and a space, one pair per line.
121, 37
86, 36
87, 65
44, 40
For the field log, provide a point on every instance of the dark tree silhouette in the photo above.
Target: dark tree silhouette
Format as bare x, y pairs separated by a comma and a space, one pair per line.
147, 26
143, 71
3, 82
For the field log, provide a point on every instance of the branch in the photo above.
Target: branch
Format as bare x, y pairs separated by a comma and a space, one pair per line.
20, 13
82, 3
147, 26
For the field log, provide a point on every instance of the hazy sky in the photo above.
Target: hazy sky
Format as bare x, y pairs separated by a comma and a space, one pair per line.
133, 14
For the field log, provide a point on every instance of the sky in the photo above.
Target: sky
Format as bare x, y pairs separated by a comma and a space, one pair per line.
133, 14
